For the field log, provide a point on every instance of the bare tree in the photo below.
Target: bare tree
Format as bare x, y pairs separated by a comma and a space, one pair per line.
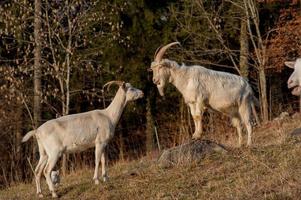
244, 48
37, 67
16, 77
37, 64
149, 127
259, 46
68, 29
60, 45
204, 23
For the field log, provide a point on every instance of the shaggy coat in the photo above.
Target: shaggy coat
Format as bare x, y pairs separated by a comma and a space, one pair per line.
218, 90
204, 88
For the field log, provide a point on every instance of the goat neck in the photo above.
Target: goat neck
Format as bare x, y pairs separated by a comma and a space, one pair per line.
115, 109
176, 77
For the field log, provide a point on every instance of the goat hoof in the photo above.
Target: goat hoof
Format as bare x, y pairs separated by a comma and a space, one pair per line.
96, 181
105, 178
194, 138
40, 195
54, 195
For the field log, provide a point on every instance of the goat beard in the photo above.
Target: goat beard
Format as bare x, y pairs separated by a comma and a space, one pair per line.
296, 91
161, 90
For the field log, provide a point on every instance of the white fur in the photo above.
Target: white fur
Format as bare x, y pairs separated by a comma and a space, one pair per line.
78, 132
294, 80
204, 88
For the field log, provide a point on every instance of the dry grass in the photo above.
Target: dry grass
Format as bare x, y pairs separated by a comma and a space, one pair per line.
269, 170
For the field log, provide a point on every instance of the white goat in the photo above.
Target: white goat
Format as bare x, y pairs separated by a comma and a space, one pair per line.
204, 88
77, 132
294, 80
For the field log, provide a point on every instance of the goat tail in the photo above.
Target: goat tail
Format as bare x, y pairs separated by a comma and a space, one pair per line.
28, 135
254, 102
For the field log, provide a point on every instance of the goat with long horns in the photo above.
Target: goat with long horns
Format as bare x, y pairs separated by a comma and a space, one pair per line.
204, 88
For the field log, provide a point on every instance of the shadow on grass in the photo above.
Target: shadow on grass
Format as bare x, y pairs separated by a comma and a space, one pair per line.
75, 189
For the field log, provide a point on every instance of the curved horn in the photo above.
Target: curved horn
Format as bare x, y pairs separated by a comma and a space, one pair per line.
108, 84
162, 50
157, 51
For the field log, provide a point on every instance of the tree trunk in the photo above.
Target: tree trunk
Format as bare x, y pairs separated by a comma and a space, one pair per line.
18, 137
37, 64
185, 124
263, 95
244, 49
121, 147
37, 69
256, 38
67, 83
149, 127
300, 104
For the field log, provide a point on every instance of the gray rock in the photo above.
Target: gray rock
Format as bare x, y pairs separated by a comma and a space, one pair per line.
296, 132
55, 177
193, 151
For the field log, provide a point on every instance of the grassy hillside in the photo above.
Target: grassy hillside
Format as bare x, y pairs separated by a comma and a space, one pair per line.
271, 169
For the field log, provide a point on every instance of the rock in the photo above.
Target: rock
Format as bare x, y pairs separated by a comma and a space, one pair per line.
294, 136
192, 151
55, 177
296, 115
282, 116
296, 132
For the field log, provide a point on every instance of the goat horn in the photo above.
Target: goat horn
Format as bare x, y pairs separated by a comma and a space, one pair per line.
157, 51
161, 50
108, 84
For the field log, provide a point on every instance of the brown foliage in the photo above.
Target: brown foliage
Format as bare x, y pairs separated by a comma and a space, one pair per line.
292, 2
285, 41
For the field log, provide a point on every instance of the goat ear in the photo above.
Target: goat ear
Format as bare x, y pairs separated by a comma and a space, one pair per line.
168, 65
290, 64
123, 86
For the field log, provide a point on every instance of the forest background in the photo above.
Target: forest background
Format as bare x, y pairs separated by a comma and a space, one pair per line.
55, 56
